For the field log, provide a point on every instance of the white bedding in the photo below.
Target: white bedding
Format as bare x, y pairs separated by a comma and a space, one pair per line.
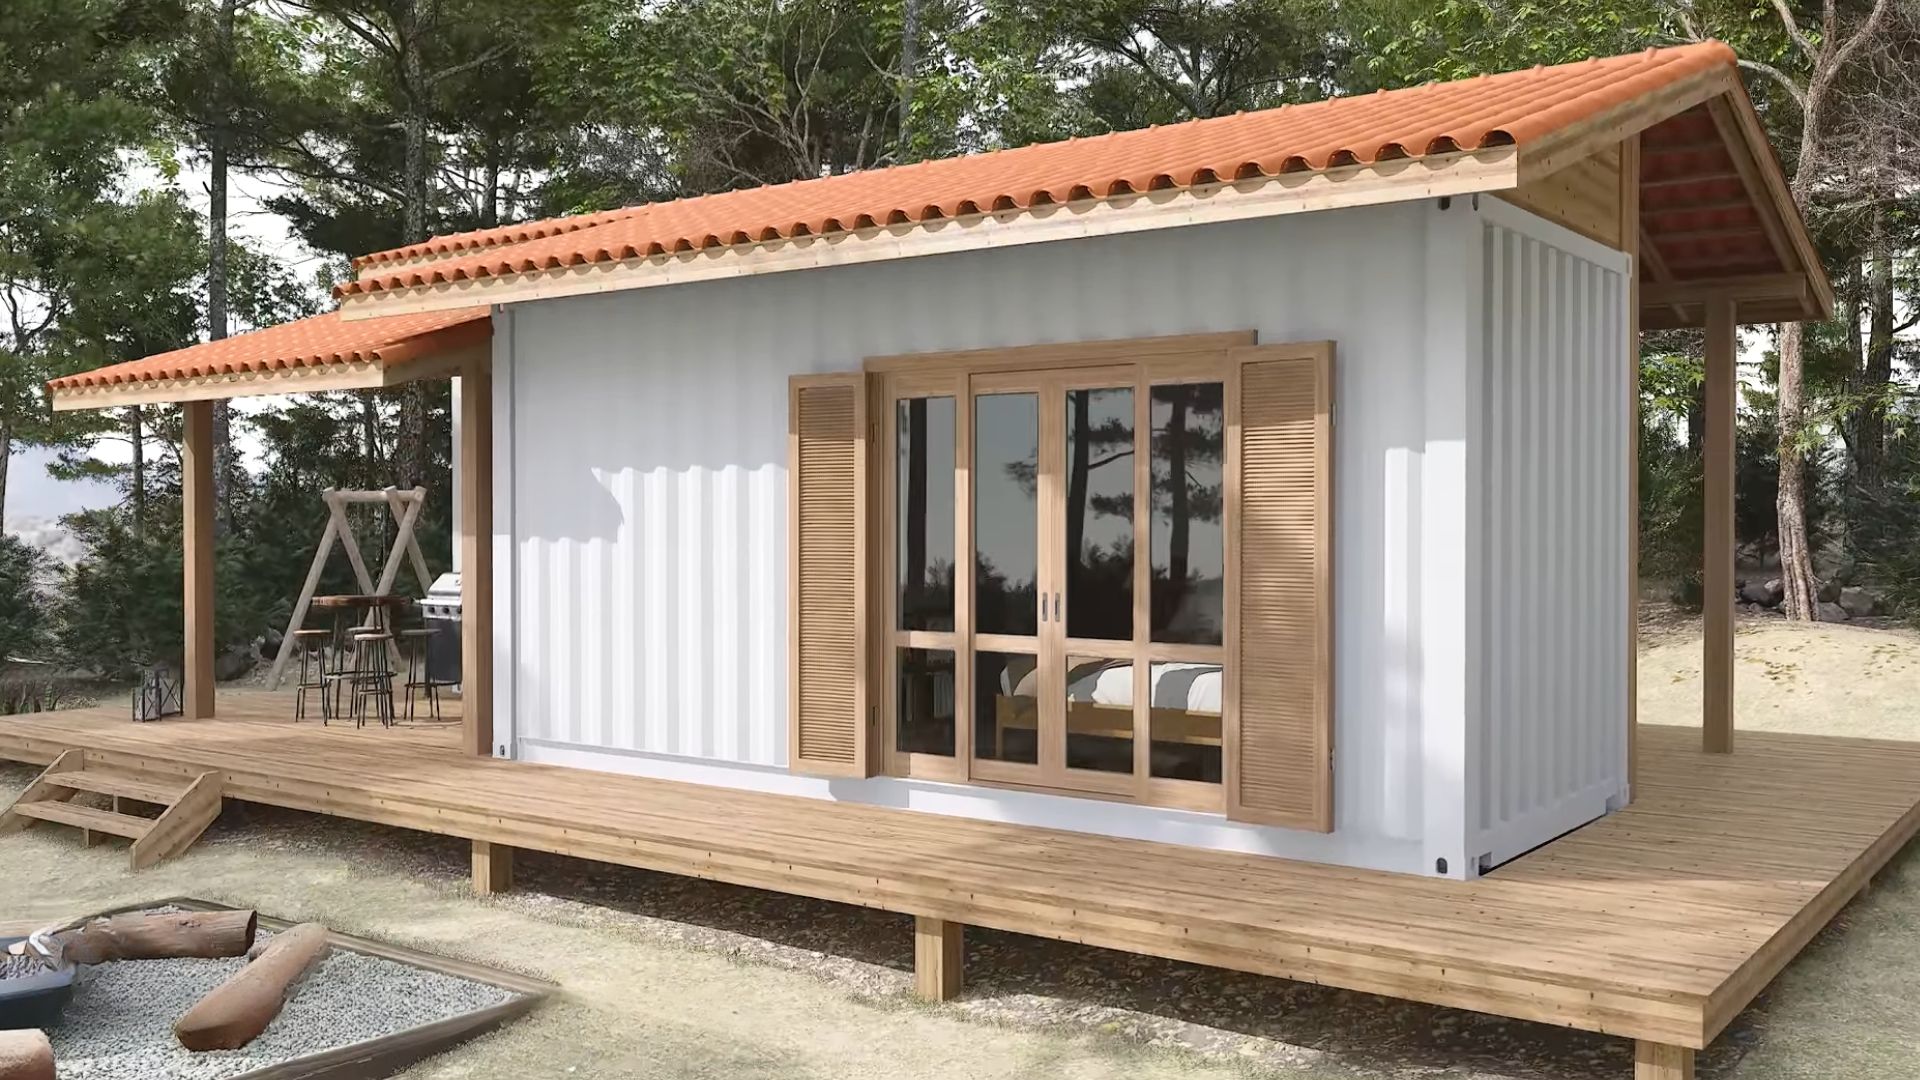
1193, 687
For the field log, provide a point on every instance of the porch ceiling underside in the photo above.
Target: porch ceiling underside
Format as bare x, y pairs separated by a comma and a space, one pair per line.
323, 352
1717, 221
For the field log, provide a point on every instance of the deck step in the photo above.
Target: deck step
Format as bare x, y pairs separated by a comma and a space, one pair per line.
144, 787
87, 817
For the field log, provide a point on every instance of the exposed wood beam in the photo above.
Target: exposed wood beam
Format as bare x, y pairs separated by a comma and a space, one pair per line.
1792, 287
1722, 390
1689, 179
476, 558
196, 559
1657, 266
1677, 235
1709, 206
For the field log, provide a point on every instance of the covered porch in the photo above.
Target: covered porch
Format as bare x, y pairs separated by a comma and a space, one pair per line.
322, 353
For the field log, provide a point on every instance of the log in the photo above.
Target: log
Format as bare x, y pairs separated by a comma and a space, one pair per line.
25, 1055
234, 1013
195, 934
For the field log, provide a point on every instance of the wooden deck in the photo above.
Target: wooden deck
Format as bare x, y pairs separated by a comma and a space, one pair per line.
1658, 923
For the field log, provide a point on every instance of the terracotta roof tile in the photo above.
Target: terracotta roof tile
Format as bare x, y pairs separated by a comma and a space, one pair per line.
312, 342
1510, 109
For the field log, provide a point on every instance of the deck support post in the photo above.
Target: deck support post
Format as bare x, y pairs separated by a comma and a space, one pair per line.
1659, 1061
939, 958
492, 868
196, 561
1723, 389
475, 528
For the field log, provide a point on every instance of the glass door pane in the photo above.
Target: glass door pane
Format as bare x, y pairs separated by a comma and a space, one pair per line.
1098, 528
1189, 551
1006, 576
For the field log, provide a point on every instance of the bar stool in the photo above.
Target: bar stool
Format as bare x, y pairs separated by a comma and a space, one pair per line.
312, 645
414, 644
371, 679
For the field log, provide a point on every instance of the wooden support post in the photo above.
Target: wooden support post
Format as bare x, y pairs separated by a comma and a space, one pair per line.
1658, 1061
1723, 386
1633, 240
492, 868
939, 958
476, 559
196, 537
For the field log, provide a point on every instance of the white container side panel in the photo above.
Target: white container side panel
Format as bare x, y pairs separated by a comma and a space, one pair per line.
649, 480
1551, 643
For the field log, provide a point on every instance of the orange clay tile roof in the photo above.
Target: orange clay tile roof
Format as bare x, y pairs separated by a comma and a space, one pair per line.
311, 342
1496, 110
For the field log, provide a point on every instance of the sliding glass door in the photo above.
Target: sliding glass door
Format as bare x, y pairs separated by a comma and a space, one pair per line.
1075, 643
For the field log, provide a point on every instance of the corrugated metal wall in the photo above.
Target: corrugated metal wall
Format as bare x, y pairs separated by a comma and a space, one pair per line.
647, 465
1551, 644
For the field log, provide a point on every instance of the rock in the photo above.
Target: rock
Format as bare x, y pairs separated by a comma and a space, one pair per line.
233, 663
1776, 592
1756, 592
1858, 601
1831, 612
1829, 592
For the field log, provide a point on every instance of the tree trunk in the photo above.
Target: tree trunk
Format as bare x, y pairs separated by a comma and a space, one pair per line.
909, 67
234, 1013
6, 456
1180, 511
916, 503
137, 436
26, 1055
217, 144
1870, 418
196, 934
410, 457
1796, 554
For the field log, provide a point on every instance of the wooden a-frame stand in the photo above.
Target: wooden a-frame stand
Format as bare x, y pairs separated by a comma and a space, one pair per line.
405, 507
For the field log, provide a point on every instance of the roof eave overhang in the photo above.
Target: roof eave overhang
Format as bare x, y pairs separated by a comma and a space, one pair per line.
369, 374
1392, 181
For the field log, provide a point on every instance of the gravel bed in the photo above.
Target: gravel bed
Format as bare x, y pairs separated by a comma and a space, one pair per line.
120, 1023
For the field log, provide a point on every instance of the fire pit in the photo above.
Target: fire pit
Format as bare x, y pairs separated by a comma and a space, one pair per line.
31, 994
365, 1010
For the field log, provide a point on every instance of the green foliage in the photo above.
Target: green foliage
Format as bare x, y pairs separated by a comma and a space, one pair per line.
24, 578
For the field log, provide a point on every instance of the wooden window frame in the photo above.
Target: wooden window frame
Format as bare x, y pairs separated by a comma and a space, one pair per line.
1153, 362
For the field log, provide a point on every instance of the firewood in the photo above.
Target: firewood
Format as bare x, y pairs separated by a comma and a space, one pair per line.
197, 934
234, 1013
25, 1055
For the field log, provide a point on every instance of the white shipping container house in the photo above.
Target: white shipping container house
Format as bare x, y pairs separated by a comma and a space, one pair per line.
1263, 485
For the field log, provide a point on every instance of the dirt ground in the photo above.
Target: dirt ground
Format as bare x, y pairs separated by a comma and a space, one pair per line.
666, 977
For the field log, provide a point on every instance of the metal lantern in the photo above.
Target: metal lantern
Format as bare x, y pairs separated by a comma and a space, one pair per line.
159, 694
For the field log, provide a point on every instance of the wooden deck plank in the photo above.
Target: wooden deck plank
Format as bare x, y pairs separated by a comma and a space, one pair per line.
1659, 922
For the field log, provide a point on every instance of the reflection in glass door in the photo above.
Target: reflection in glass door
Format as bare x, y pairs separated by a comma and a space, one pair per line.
1098, 512
1009, 600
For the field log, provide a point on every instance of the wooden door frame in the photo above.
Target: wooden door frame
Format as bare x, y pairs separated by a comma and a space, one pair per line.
1151, 362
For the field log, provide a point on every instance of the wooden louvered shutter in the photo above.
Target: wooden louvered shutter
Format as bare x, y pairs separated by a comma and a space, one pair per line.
827, 591
1279, 736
